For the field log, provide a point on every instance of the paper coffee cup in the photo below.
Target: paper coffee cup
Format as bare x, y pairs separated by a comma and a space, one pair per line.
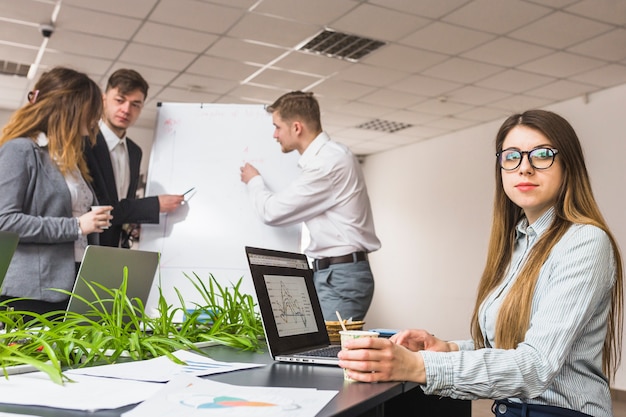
353, 334
93, 208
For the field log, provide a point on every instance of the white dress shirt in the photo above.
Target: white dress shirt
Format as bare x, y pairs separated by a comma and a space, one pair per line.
81, 196
329, 196
119, 159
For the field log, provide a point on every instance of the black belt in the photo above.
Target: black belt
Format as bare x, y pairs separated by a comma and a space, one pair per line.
349, 258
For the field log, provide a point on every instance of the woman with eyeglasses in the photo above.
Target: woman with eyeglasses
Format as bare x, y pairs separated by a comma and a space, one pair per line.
546, 328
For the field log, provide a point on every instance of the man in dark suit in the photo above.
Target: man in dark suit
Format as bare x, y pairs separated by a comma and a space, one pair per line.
115, 160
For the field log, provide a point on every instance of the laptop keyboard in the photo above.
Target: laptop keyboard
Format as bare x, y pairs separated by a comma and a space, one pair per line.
325, 352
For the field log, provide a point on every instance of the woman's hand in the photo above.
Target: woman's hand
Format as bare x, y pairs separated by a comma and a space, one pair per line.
96, 220
417, 340
371, 359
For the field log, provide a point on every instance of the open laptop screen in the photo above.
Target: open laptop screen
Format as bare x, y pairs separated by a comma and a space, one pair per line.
290, 309
105, 265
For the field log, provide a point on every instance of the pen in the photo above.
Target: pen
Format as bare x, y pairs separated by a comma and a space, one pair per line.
189, 190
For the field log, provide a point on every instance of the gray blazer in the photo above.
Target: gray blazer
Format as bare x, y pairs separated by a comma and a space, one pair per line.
35, 202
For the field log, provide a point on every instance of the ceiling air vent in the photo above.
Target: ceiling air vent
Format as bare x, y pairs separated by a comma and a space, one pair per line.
342, 46
13, 68
383, 125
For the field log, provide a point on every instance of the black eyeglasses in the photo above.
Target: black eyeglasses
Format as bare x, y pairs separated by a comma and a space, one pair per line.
539, 158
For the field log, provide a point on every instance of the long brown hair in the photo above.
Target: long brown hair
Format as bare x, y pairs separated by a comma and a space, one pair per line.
575, 204
62, 102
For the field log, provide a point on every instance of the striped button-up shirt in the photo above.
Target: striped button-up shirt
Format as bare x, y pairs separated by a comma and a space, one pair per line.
559, 362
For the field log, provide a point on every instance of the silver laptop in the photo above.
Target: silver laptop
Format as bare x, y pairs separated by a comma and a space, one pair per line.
295, 329
105, 265
8, 244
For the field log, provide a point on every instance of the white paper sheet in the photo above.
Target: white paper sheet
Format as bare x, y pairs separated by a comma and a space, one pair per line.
162, 369
85, 393
190, 396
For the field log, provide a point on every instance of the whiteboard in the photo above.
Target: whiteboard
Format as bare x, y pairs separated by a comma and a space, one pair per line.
202, 146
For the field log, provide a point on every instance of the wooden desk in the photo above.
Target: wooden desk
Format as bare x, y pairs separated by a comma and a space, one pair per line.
354, 399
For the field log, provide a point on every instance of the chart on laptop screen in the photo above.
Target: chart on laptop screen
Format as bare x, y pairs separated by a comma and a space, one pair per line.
291, 305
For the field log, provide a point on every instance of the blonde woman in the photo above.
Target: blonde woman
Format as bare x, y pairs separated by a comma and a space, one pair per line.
45, 198
548, 317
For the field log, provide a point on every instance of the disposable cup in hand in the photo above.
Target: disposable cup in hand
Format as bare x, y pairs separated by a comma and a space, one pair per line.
353, 334
94, 208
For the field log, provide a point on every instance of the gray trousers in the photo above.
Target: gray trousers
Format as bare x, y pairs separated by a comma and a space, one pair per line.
347, 288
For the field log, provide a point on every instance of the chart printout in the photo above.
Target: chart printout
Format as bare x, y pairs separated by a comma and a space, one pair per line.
291, 305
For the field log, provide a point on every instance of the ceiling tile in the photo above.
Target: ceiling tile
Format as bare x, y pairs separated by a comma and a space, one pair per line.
391, 99
440, 107
318, 12
18, 54
245, 51
221, 68
196, 15
173, 94
134, 8
19, 34
360, 134
424, 86
446, 38
26, 11
373, 22
86, 64
562, 90
610, 11
432, 9
561, 64
369, 75
174, 37
284, 79
203, 85
519, 103
560, 30
414, 118
604, 77
156, 57
507, 52
364, 109
87, 45
476, 95
610, 46
154, 76
515, 81
483, 114
343, 89
312, 63
462, 70
451, 123
96, 23
272, 31
403, 58
262, 94
496, 16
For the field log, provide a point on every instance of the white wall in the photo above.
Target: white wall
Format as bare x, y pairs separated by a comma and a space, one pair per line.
432, 204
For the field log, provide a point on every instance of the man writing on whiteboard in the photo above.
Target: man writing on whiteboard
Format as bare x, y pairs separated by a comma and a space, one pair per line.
115, 160
330, 197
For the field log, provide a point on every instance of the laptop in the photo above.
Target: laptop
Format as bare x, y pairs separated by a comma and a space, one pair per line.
105, 265
295, 329
8, 244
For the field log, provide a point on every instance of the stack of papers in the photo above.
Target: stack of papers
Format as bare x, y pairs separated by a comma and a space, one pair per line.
164, 388
191, 396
